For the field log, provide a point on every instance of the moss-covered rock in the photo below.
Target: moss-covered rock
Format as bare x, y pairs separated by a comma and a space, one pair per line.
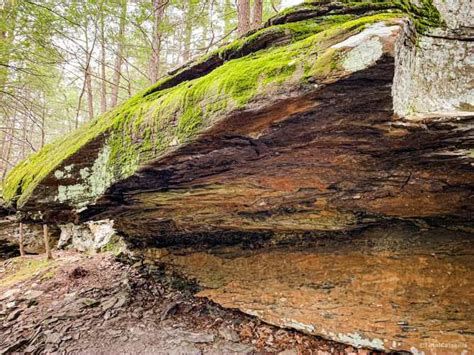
155, 121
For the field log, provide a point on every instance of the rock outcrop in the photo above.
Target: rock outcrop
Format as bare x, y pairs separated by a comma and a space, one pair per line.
333, 120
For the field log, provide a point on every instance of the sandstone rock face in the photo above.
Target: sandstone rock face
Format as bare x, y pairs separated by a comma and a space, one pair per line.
419, 87
274, 169
391, 288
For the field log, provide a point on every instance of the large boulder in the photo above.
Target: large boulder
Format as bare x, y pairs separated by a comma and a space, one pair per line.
316, 173
291, 128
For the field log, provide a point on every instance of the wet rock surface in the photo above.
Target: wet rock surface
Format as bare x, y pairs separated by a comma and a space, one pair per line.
95, 304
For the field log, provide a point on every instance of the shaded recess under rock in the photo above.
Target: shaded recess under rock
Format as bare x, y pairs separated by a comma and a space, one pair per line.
335, 120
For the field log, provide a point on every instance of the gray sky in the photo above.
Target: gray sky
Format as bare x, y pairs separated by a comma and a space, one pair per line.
287, 3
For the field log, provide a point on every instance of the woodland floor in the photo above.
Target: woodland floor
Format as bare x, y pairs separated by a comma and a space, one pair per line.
81, 303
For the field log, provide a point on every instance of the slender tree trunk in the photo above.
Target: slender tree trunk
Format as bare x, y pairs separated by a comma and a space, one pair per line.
243, 14
228, 12
103, 82
43, 124
5, 145
24, 130
129, 80
158, 13
188, 30
20, 242
8, 146
257, 14
8, 13
90, 95
119, 56
49, 255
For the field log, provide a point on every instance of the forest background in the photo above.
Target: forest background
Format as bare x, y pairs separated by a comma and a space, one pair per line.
63, 62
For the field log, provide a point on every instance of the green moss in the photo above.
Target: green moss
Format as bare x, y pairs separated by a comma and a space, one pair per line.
425, 16
116, 245
24, 268
150, 124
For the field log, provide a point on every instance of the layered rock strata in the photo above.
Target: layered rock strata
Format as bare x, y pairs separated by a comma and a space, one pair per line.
326, 158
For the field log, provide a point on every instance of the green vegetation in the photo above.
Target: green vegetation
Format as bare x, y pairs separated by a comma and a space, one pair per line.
153, 122
116, 245
424, 17
22, 269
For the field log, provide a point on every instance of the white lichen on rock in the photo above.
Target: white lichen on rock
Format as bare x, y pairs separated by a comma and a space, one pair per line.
89, 236
95, 181
358, 341
367, 46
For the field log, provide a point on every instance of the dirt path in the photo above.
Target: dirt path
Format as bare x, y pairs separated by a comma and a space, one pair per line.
96, 304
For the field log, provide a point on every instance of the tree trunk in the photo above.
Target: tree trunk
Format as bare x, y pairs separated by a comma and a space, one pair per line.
257, 14
90, 96
20, 242
49, 255
228, 12
43, 124
119, 56
188, 30
8, 13
243, 13
158, 13
103, 82
8, 147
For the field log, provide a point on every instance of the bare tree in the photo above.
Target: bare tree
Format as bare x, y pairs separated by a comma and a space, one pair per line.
188, 30
257, 14
20, 242
243, 14
103, 82
119, 55
159, 7
49, 255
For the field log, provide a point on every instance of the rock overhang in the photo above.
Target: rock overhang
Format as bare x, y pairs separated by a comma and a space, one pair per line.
236, 100
304, 183
55, 163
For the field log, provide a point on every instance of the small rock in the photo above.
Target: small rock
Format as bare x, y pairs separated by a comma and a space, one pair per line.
114, 332
33, 294
50, 320
66, 338
288, 352
137, 313
14, 315
122, 299
169, 309
109, 303
88, 302
229, 334
11, 305
54, 338
197, 337
9, 293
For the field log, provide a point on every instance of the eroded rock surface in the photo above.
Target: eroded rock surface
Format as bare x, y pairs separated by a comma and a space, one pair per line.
392, 288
